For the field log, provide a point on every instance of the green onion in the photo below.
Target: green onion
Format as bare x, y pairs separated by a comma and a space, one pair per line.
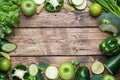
109, 6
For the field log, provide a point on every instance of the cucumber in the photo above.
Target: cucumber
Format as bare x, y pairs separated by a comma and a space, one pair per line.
82, 73
77, 2
83, 6
113, 64
39, 2
51, 72
33, 69
8, 47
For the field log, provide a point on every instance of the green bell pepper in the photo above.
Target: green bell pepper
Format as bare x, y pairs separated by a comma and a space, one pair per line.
3, 76
110, 46
54, 5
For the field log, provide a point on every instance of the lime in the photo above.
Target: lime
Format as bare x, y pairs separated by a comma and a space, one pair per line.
97, 67
95, 9
6, 55
5, 64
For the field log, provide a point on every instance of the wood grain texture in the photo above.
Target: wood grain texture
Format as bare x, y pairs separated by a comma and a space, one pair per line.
60, 19
84, 60
57, 41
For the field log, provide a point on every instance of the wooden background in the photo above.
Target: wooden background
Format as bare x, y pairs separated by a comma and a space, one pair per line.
58, 37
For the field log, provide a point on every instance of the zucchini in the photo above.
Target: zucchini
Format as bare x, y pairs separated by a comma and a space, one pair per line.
83, 6
113, 64
77, 2
8, 47
82, 73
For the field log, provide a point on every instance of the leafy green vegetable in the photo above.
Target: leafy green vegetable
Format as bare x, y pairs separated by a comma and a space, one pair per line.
9, 16
110, 23
110, 6
3, 76
43, 66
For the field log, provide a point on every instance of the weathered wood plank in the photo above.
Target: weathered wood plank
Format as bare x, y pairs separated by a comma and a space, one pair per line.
60, 19
58, 41
84, 60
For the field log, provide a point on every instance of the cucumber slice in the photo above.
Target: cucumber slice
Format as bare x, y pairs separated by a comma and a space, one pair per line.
51, 72
83, 6
39, 1
77, 2
97, 67
8, 47
6, 55
33, 69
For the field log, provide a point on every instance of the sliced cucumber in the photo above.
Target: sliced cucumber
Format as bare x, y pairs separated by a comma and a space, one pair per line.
51, 72
33, 69
77, 2
39, 1
8, 47
83, 6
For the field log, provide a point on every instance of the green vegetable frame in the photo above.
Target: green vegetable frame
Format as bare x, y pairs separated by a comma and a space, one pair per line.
110, 6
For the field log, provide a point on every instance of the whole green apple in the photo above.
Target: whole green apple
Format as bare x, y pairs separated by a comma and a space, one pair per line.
28, 7
108, 77
66, 70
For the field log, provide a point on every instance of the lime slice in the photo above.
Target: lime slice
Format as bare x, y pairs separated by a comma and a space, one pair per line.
97, 67
6, 55
33, 69
68, 8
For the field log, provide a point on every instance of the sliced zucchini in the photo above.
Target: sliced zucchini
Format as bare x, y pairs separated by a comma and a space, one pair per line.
83, 6
33, 69
8, 47
77, 2
39, 1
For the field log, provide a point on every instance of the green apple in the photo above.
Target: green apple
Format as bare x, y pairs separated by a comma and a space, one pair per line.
66, 71
28, 7
108, 77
